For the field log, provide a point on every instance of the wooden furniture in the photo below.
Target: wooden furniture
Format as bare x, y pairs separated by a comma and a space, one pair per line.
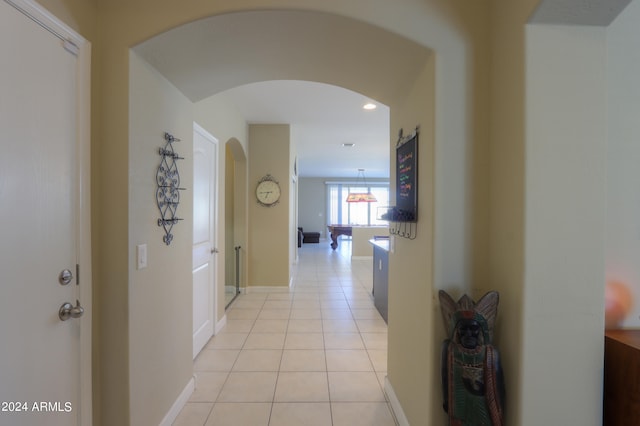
622, 378
381, 275
335, 231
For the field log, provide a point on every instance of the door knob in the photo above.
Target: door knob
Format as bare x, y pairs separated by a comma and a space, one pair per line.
67, 310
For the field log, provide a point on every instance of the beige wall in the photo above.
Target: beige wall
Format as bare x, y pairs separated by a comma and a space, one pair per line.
360, 245
458, 170
229, 214
160, 340
226, 125
506, 196
451, 29
268, 226
241, 208
443, 25
80, 15
413, 358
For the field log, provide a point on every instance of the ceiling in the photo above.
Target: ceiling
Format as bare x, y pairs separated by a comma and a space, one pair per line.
578, 12
253, 62
322, 118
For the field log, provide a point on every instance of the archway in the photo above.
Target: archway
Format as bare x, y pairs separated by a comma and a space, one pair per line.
235, 220
331, 49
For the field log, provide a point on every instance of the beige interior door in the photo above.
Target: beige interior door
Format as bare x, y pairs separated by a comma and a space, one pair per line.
205, 149
41, 314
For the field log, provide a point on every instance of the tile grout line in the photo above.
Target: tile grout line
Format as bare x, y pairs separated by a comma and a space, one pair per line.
326, 365
355, 290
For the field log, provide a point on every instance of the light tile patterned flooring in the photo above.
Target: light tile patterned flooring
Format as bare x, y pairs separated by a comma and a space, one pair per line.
315, 356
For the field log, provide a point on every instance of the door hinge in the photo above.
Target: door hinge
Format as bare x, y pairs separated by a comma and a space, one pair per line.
77, 274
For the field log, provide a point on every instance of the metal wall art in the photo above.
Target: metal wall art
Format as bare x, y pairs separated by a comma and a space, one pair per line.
168, 192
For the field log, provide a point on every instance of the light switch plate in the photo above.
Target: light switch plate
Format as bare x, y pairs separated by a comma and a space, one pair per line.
141, 256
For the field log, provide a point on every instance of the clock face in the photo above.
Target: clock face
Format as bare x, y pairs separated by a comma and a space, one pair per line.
268, 192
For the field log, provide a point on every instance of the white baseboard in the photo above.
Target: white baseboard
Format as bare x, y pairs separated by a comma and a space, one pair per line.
267, 289
361, 257
220, 324
179, 404
395, 403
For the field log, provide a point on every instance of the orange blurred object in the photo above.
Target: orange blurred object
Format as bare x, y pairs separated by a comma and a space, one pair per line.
618, 301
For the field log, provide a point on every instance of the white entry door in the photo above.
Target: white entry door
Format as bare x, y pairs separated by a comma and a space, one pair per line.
205, 165
43, 363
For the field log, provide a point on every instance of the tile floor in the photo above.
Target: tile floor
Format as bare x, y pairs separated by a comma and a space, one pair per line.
316, 355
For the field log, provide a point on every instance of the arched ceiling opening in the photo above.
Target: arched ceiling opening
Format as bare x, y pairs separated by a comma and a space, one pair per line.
322, 118
248, 56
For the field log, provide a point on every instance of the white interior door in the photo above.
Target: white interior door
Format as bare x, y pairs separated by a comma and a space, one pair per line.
41, 359
205, 165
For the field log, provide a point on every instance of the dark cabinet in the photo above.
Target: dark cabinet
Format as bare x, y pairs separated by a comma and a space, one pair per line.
622, 378
381, 276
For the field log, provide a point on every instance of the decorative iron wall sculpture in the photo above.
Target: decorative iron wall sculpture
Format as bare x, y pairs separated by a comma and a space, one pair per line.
168, 192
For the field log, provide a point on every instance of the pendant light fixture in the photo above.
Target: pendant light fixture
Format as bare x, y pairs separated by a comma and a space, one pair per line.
361, 197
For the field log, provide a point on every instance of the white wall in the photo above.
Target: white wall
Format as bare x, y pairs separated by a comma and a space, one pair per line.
160, 296
312, 205
156, 107
563, 307
221, 120
623, 155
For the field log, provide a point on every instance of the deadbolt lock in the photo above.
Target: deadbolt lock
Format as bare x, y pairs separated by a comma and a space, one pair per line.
65, 277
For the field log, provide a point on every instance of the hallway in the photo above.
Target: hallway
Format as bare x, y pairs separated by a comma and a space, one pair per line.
315, 356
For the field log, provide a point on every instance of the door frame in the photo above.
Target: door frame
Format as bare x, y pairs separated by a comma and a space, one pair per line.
214, 226
82, 49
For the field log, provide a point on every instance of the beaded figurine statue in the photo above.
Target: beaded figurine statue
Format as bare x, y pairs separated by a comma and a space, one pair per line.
472, 380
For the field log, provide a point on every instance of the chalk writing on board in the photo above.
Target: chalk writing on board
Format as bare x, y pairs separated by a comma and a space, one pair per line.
406, 208
405, 166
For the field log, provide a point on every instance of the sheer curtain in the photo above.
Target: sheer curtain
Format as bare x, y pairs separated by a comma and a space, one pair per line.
341, 212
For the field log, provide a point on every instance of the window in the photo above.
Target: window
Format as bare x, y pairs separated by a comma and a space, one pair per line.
341, 212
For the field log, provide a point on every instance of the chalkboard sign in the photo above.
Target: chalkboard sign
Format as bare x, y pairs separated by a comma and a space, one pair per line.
407, 180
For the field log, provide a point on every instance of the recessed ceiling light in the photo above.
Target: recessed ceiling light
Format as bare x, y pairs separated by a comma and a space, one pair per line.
348, 145
370, 106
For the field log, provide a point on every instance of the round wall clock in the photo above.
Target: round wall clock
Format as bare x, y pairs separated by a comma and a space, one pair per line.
268, 191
